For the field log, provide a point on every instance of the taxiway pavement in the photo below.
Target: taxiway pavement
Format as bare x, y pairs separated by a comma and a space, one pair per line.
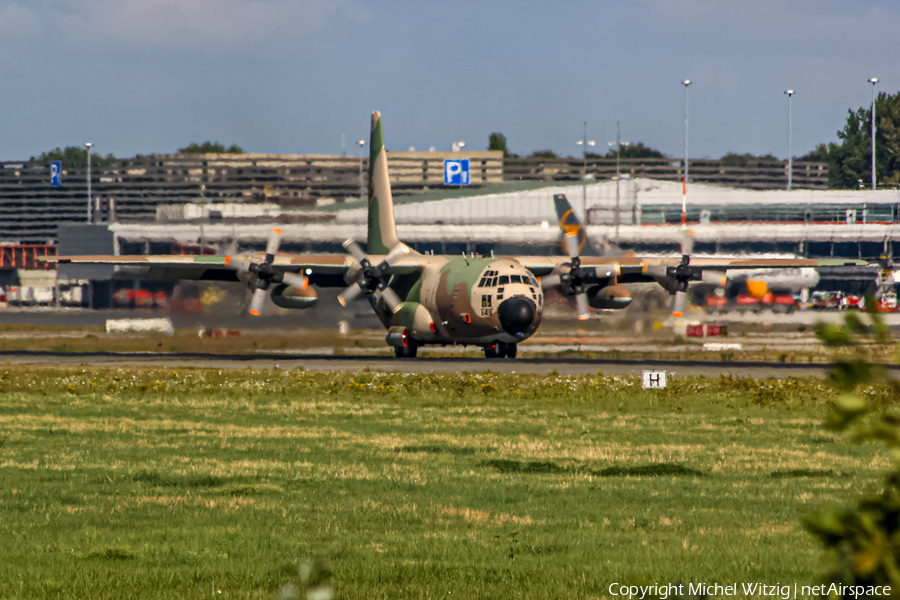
566, 366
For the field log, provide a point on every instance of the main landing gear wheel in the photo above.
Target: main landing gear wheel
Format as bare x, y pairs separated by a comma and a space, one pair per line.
406, 351
500, 350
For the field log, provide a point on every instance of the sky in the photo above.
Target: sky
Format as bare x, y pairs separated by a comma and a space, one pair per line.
303, 76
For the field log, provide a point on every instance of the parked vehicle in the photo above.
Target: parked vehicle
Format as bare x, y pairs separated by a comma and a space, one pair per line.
718, 302
140, 298
820, 300
888, 303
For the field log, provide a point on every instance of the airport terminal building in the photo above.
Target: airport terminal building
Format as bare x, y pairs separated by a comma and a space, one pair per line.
499, 215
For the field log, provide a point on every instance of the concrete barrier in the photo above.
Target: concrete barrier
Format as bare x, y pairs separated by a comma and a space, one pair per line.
720, 347
140, 326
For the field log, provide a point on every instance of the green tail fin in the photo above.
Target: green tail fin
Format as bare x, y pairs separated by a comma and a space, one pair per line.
382, 228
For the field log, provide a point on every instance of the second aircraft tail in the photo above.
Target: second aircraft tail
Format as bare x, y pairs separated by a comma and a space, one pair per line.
570, 223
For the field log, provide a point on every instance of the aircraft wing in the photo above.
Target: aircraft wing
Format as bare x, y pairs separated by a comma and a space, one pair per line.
637, 266
323, 270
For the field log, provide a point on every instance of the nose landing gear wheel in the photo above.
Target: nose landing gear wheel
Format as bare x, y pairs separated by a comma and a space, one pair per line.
500, 350
508, 350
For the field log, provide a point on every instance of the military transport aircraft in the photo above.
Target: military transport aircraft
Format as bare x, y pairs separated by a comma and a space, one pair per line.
756, 282
492, 302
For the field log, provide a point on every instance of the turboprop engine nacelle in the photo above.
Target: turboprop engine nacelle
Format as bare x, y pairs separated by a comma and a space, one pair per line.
417, 319
292, 296
611, 296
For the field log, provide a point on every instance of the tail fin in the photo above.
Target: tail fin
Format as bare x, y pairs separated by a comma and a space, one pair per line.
569, 223
382, 228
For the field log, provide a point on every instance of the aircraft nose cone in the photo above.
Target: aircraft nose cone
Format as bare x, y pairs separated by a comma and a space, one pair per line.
516, 315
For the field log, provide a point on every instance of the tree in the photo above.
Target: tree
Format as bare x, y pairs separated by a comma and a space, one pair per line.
71, 156
497, 141
850, 161
211, 148
638, 150
543, 154
746, 160
819, 154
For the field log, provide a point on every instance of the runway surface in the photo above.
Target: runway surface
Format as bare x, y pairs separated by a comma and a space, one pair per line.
567, 366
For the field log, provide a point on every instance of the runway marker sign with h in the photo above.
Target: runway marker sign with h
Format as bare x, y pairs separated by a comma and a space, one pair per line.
654, 380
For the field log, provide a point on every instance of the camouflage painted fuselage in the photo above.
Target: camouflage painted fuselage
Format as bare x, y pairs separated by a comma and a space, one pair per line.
456, 300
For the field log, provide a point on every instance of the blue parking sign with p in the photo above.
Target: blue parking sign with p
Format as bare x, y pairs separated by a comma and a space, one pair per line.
56, 174
456, 172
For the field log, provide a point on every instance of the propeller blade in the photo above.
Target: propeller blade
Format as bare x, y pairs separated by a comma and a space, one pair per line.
571, 241
295, 279
396, 253
256, 304
349, 294
658, 271
581, 305
549, 281
238, 263
273, 243
391, 299
679, 305
713, 277
354, 250
687, 243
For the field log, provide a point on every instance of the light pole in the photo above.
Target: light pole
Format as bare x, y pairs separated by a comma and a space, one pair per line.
873, 81
362, 189
584, 143
88, 146
618, 145
790, 94
684, 183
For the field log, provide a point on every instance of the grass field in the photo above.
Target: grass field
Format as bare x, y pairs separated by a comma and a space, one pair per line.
139, 483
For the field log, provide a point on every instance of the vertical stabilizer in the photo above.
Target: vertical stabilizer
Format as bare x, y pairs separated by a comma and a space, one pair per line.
569, 223
382, 228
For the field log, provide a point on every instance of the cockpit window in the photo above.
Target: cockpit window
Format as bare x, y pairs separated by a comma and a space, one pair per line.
491, 279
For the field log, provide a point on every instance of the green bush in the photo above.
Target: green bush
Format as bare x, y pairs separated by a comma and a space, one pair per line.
865, 538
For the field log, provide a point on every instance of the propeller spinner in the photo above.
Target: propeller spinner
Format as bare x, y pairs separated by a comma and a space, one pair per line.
265, 273
676, 279
372, 279
572, 282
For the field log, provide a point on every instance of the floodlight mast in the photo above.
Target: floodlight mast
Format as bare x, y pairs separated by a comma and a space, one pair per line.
584, 143
88, 145
618, 144
873, 81
684, 183
790, 94
362, 186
